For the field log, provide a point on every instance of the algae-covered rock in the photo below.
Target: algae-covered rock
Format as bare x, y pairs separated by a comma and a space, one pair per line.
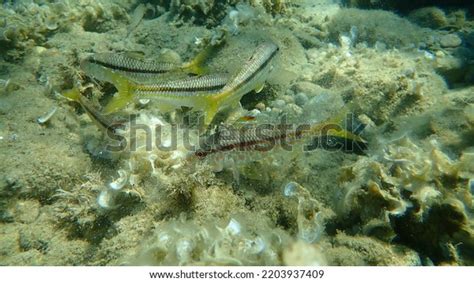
404, 6
450, 41
38, 243
376, 26
359, 79
431, 17
348, 250
27, 23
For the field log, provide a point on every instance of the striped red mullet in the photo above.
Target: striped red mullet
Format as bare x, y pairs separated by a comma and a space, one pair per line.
266, 137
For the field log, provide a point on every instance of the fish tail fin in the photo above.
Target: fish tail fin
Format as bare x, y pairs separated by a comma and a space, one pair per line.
123, 96
345, 134
345, 141
196, 65
72, 94
341, 136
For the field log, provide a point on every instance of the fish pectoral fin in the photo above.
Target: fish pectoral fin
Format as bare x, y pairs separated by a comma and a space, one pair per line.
197, 65
209, 115
259, 87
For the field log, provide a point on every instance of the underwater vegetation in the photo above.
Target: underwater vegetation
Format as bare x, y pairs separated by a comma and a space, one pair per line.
236, 133
406, 6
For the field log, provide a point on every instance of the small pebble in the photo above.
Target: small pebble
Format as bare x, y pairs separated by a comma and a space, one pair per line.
294, 110
439, 54
290, 92
429, 55
301, 99
288, 99
278, 103
306, 87
260, 106
450, 40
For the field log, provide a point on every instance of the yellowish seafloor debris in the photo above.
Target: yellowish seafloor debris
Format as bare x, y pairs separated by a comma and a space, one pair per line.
376, 166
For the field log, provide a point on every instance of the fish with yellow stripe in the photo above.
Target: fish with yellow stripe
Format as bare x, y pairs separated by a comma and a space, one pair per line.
207, 93
252, 76
193, 92
101, 65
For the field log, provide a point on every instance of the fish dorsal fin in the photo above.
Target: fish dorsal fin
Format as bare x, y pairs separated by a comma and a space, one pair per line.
136, 55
